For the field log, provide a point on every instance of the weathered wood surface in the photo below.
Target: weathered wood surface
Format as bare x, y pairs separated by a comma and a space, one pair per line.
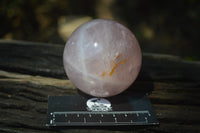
29, 72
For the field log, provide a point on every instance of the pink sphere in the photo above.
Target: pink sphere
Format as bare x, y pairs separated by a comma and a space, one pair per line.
102, 58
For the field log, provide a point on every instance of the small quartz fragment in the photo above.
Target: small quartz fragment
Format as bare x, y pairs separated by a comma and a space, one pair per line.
102, 58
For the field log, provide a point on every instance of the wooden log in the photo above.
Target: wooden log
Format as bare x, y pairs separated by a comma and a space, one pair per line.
32, 58
29, 72
46, 60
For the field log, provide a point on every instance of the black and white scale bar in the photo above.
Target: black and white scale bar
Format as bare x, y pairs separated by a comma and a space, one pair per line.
99, 118
72, 111
109, 112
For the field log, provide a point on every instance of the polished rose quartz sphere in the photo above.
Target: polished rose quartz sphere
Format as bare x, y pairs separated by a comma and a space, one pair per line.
102, 58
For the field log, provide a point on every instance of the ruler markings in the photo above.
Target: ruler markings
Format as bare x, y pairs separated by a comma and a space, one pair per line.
99, 122
113, 112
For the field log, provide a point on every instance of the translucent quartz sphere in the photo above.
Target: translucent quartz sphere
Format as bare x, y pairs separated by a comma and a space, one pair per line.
102, 58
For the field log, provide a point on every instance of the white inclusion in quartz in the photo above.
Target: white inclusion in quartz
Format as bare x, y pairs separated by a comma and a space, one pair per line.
94, 93
91, 82
102, 58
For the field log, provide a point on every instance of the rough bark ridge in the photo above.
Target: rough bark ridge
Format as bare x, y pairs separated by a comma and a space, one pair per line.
29, 72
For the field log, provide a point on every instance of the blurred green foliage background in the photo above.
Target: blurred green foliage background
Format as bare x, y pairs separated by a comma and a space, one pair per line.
169, 27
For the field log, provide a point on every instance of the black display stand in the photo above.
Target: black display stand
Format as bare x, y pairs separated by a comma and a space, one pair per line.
81, 110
